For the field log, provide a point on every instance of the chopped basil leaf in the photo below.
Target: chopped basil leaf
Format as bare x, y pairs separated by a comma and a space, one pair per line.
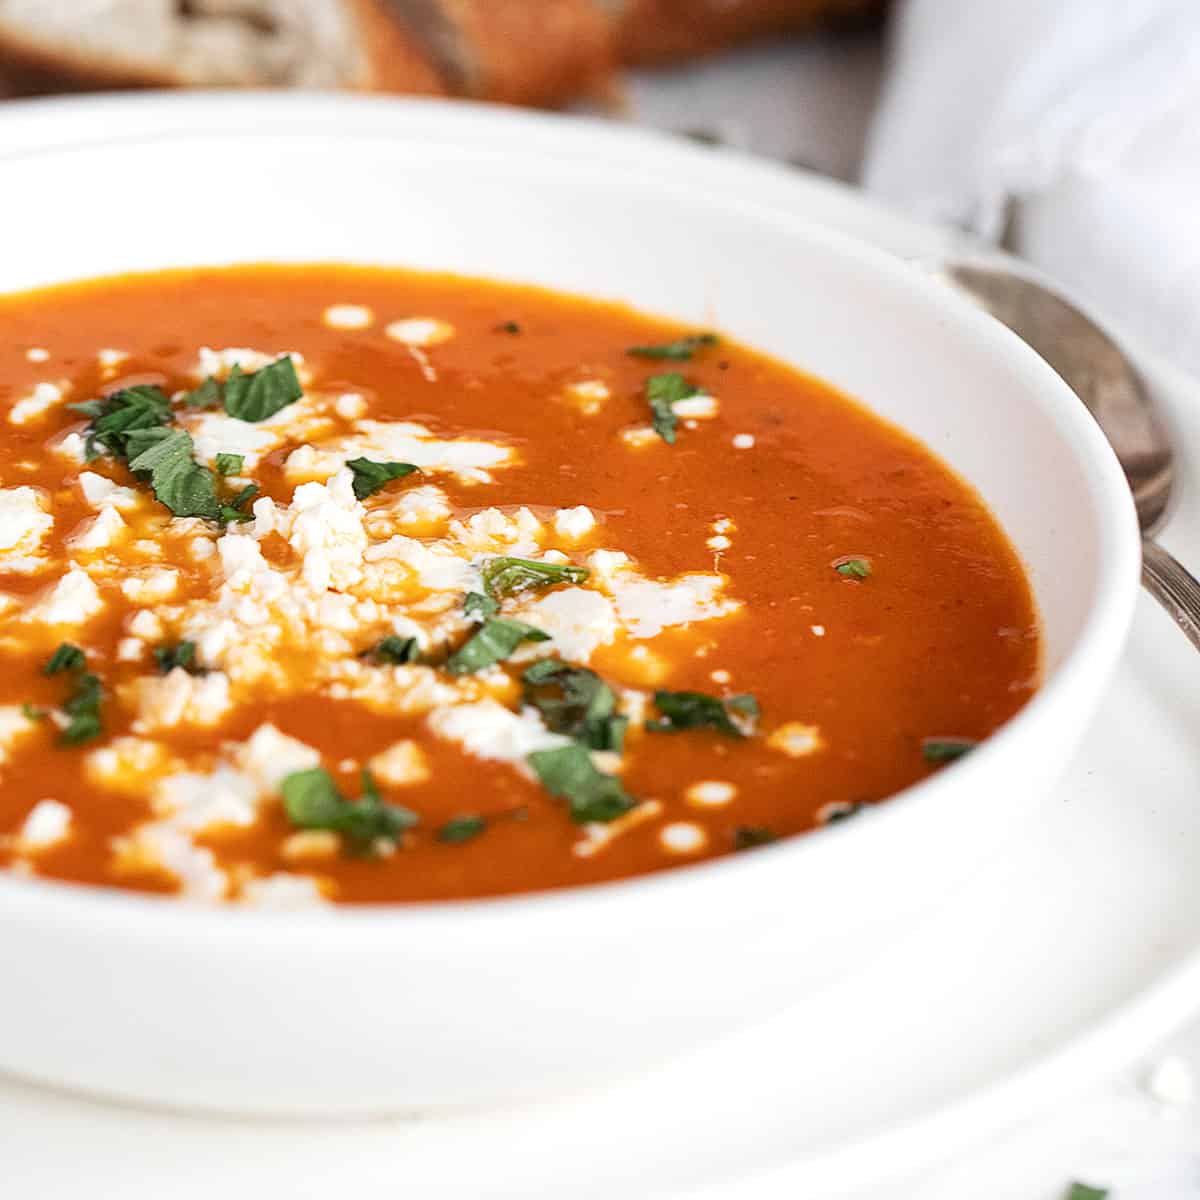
680, 350
747, 837
31, 712
1081, 1191
65, 658
508, 327
842, 812
853, 568
461, 829
477, 604
83, 707
370, 477
945, 750
507, 576
494, 642
262, 394
230, 464
575, 701
235, 510
570, 774
116, 417
312, 801
207, 395
695, 710
395, 650
663, 392
181, 655
178, 481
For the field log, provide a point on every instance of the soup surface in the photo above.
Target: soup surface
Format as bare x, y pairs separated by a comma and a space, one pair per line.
336, 584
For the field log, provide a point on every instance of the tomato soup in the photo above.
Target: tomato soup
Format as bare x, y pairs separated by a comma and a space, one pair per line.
330, 584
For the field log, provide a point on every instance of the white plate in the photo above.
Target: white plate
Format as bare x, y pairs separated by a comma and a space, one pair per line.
1048, 969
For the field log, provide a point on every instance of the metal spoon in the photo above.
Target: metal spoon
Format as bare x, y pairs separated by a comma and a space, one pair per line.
1096, 369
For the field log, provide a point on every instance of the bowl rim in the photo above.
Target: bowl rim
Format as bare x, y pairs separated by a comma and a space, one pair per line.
467, 126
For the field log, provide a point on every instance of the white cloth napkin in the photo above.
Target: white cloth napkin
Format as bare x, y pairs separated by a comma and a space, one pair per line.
1086, 113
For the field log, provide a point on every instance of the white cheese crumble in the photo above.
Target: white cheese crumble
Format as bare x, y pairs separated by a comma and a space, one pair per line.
796, 739
216, 433
588, 395
348, 316
48, 823
489, 730
268, 757
646, 607
420, 331
43, 398
73, 447
150, 586
177, 698
99, 532
218, 363
640, 436
37, 354
197, 802
282, 892
310, 845
574, 523
597, 836
110, 358
578, 621
682, 837
696, 408
710, 793
400, 764
24, 524
73, 600
350, 406
102, 493
743, 441
172, 850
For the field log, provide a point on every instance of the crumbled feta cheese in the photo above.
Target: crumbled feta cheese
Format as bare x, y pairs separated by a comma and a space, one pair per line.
37, 354
150, 586
73, 447
177, 698
216, 433
489, 730
588, 395
350, 406
282, 892
719, 542
574, 523
131, 650
348, 316
126, 764
640, 436
102, 493
646, 607
218, 363
720, 676
817, 630
29, 407
796, 739
696, 408
268, 757
310, 845
597, 836
15, 726
400, 764
47, 824
682, 837
420, 331
99, 531
145, 625
743, 441
172, 850
73, 600
24, 524
710, 793
198, 802
109, 359
578, 621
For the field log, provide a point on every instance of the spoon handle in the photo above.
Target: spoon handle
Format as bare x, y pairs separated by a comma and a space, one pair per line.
1174, 587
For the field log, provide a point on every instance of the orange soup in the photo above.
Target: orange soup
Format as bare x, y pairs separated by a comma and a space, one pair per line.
337, 584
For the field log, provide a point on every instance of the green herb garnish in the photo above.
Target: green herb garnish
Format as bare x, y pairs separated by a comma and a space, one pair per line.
116, 417
461, 829
370, 477
570, 774
83, 707
230, 464
65, 658
31, 712
508, 327
576, 702
183, 654
494, 642
843, 812
312, 801
508, 576
236, 510
680, 350
853, 568
1082, 1191
207, 395
476, 604
747, 837
260, 395
945, 750
165, 456
663, 392
395, 651
695, 710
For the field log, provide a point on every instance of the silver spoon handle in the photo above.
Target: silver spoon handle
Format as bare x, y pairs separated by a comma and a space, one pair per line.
1174, 587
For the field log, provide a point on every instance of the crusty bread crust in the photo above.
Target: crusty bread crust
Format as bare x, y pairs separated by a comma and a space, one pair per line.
512, 51
666, 30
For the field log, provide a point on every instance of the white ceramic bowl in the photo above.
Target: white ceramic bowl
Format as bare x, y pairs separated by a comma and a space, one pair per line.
388, 1009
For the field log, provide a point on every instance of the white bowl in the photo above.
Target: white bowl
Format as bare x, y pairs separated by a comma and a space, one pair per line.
396, 1008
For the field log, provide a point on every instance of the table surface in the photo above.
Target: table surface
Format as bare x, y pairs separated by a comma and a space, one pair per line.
811, 103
